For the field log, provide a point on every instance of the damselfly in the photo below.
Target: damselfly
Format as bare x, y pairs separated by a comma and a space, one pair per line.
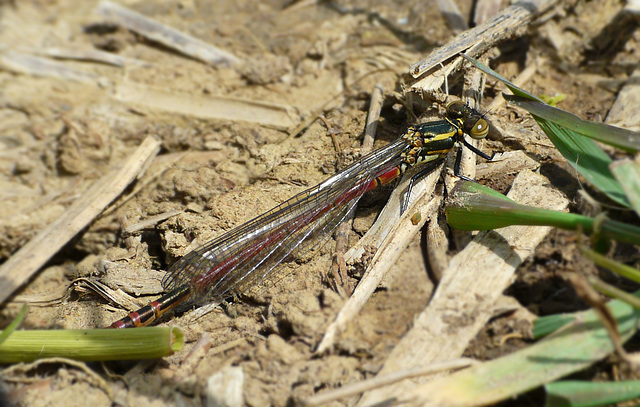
244, 256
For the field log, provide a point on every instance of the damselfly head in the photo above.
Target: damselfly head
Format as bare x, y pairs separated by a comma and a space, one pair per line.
469, 119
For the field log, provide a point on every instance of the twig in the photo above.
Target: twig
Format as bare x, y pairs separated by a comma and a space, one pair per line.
372, 118
339, 265
151, 221
476, 277
165, 35
475, 42
391, 247
29, 64
361, 387
227, 346
437, 247
210, 107
28, 260
190, 362
86, 55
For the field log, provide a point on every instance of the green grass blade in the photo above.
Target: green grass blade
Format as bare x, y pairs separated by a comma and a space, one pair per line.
471, 206
590, 394
91, 344
543, 326
621, 138
627, 173
612, 291
587, 158
570, 349
512, 87
581, 152
14, 324
618, 268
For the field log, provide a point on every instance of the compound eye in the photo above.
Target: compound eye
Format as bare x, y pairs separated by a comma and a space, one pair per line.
479, 130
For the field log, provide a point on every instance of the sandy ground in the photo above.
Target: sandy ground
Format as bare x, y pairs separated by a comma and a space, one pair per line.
59, 135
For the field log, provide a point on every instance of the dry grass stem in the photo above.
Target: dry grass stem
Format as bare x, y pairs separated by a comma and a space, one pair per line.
475, 279
93, 55
20, 62
391, 248
151, 221
210, 107
339, 265
475, 42
167, 36
365, 385
33, 255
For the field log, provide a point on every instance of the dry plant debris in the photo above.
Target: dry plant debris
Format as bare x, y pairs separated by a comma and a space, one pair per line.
234, 93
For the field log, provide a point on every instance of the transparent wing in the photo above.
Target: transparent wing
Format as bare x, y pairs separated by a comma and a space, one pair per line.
247, 254
307, 233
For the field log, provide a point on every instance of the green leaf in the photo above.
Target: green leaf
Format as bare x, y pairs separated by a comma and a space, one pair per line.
471, 206
582, 153
590, 394
91, 344
512, 87
606, 262
615, 136
545, 325
587, 158
14, 324
627, 173
570, 349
